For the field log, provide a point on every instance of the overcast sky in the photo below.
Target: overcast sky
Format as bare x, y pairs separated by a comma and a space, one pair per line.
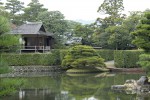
87, 9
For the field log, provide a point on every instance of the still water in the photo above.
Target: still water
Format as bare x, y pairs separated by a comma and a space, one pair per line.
76, 87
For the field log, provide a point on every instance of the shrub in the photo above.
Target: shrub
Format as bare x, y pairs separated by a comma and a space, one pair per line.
127, 58
144, 61
82, 57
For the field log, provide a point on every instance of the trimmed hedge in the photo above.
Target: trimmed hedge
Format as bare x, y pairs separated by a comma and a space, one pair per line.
25, 59
107, 55
123, 58
127, 58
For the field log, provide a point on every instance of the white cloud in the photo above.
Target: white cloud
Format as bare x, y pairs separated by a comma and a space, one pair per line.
136, 5
87, 9
74, 9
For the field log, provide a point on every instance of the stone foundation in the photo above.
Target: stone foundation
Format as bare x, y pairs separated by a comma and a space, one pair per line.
33, 71
35, 68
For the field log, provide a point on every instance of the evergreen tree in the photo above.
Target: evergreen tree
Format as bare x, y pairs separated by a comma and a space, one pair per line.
142, 34
113, 9
7, 40
14, 6
32, 11
4, 25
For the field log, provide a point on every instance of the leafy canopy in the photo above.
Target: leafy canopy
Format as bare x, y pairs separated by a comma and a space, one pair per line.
4, 25
34, 8
142, 34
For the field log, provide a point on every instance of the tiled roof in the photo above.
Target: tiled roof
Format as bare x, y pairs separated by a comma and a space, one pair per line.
31, 28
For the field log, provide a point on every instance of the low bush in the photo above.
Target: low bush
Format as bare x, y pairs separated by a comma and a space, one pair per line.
127, 58
144, 61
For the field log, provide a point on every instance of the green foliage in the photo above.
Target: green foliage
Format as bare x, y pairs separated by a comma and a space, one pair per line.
7, 40
111, 7
9, 43
54, 21
34, 8
144, 61
32, 59
4, 25
114, 31
14, 6
84, 31
10, 86
88, 62
82, 57
4, 68
118, 36
142, 34
106, 54
127, 58
4, 13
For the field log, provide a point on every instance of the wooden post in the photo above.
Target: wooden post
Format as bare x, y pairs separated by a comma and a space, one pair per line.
35, 49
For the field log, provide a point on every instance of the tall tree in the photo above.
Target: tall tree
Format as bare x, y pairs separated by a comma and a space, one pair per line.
142, 40
4, 25
6, 40
108, 26
86, 32
113, 9
3, 11
54, 21
32, 11
14, 6
142, 34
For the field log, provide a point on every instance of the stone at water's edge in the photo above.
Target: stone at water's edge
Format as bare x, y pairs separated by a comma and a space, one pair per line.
143, 81
139, 86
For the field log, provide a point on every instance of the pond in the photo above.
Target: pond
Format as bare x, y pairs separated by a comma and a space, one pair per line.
76, 87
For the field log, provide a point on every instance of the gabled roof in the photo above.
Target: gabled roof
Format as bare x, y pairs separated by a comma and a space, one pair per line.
31, 28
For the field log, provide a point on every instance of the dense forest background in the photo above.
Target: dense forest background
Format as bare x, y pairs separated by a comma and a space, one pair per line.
111, 32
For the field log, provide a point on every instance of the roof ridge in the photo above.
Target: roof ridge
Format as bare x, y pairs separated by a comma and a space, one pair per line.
33, 22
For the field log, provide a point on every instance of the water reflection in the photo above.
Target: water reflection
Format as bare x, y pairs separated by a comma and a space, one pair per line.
76, 87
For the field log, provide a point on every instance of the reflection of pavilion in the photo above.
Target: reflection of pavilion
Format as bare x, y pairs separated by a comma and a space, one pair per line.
36, 94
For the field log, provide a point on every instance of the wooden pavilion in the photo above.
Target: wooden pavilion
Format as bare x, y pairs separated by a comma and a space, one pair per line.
34, 37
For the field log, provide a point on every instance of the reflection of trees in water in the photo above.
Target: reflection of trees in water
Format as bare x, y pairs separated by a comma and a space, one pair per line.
113, 95
40, 88
81, 87
77, 87
9, 86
